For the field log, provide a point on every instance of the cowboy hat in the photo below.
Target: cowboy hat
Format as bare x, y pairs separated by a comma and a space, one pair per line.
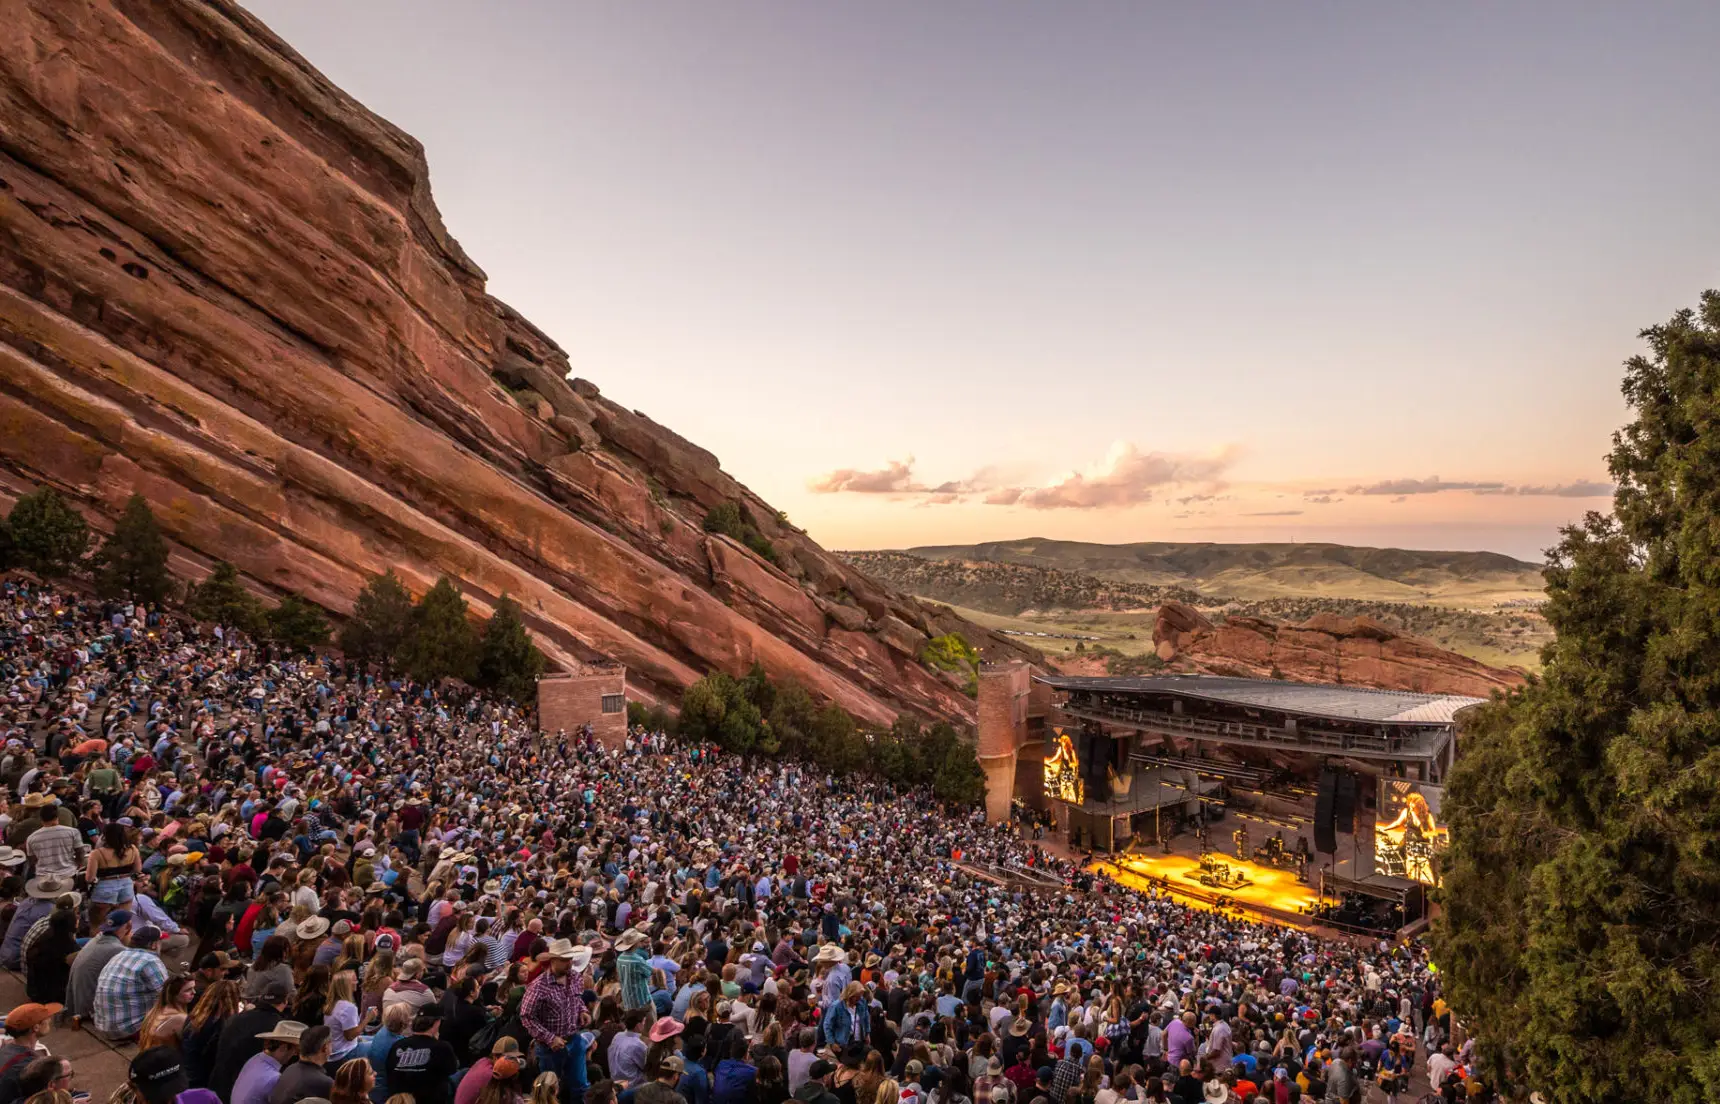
50, 886
11, 856
666, 1028
37, 800
313, 928
286, 1031
830, 952
1214, 1092
1019, 1026
630, 938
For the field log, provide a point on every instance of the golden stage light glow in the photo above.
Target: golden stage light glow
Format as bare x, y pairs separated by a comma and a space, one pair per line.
1268, 887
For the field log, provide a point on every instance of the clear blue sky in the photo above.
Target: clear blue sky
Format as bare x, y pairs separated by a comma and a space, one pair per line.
1265, 258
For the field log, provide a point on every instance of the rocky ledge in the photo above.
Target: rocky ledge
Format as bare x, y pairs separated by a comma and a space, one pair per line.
224, 284
1350, 651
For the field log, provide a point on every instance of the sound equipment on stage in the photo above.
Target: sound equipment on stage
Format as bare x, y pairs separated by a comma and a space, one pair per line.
1344, 804
1325, 830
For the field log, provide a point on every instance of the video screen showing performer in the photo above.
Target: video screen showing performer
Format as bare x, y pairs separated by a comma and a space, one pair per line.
1063, 772
1408, 832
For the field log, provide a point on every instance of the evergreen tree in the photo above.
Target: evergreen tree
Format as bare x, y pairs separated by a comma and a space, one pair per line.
440, 642
1579, 937
7, 554
223, 600
508, 661
298, 624
380, 619
48, 536
132, 563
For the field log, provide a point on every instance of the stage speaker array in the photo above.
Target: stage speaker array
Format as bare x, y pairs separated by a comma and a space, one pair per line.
1325, 808
1095, 758
1344, 804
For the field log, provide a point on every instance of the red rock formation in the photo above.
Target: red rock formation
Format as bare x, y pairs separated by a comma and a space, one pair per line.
1352, 651
223, 283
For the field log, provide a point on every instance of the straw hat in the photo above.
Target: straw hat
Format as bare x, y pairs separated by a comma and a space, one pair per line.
314, 928
37, 801
286, 1031
830, 952
631, 938
1214, 1092
50, 886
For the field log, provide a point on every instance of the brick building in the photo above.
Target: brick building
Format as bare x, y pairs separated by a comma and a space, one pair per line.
595, 694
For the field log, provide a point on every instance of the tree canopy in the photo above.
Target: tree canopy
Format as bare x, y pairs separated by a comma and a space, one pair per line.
132, 562
47, 535
753, 714
508, 662
223, 599
381, 618
439, 641
298, 624
1580, 934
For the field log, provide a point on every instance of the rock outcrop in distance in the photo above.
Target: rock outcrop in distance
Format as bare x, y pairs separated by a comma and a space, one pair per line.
224, 284
1349, 651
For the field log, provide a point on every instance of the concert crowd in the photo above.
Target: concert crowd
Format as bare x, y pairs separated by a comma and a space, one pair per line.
287, 879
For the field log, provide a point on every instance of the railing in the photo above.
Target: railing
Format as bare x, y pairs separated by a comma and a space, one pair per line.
1419, 744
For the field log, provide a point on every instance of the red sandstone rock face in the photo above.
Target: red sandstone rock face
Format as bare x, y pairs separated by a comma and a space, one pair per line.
1352, 651
223, 283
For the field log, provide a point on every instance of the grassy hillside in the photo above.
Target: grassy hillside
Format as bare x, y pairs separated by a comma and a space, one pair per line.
1476, 603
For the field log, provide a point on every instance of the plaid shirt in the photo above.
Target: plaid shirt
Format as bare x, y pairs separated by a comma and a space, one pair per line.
1065, 1077
552, 1007
127, 990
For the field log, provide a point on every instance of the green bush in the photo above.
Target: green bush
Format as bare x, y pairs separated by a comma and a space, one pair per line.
754, 715
952, 652
731, 520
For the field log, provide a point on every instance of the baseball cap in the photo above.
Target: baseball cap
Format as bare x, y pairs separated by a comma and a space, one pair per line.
26, 1016
116, 920
158, 1074
145, 935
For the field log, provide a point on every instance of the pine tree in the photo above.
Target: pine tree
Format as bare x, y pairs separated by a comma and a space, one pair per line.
297, 624
381, 618
223, 600
508, 662
132, 562
48, 536
440, 642
1579, 937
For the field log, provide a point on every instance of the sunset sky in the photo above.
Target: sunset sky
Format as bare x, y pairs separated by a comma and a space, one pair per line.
934, 273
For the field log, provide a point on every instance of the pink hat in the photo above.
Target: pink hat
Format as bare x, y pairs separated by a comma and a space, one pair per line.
666, 1028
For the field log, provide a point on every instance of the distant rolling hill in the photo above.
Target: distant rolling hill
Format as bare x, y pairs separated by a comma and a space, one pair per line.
1070, 596
1256, 571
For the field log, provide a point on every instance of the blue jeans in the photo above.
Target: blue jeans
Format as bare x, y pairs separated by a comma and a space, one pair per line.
568, 1063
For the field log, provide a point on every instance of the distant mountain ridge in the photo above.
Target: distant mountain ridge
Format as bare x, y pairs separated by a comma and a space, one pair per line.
1254, 571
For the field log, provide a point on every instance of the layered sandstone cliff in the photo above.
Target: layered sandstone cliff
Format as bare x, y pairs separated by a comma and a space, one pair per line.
223, 283
1349, 651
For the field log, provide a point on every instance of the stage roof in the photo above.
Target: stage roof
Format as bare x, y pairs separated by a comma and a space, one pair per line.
1344, 703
